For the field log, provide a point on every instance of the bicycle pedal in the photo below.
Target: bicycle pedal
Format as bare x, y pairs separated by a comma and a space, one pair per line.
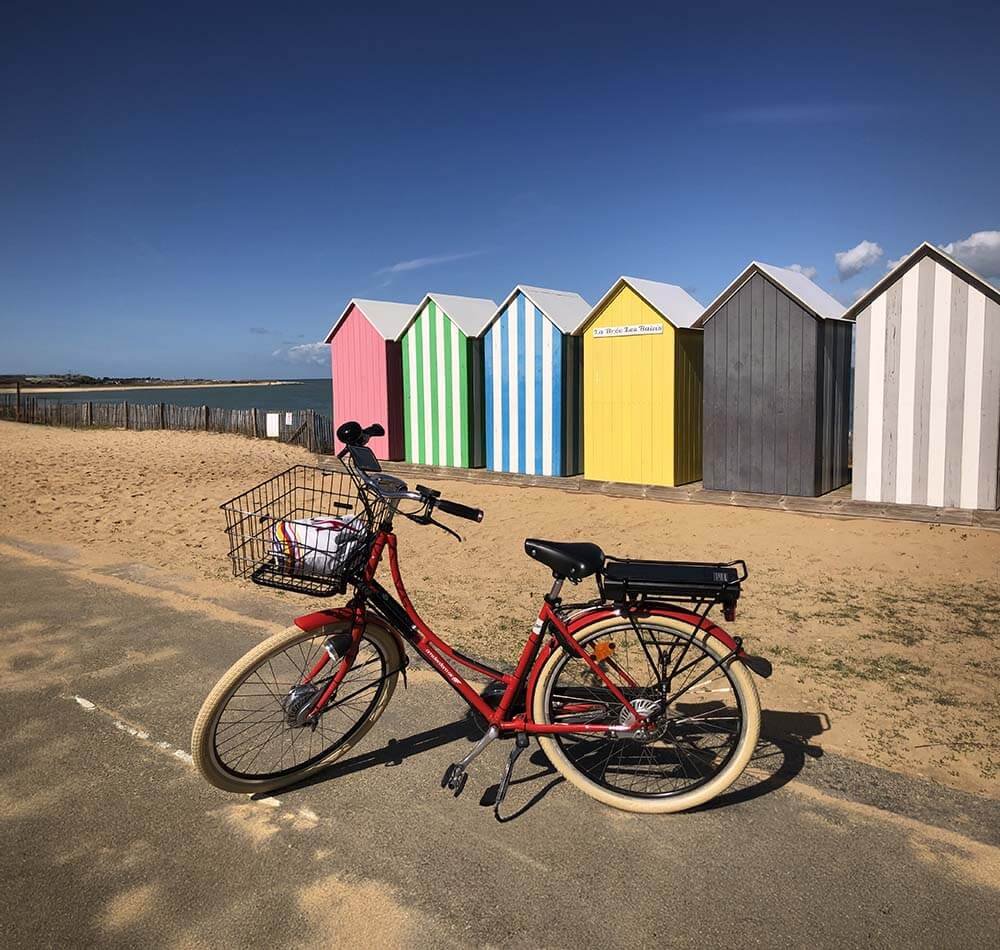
454, 779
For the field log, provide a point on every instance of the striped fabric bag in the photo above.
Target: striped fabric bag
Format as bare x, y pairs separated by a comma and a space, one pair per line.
317, 547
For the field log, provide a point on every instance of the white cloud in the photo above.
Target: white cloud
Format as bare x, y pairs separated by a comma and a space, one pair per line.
419, 263
892, 265
804, 269
848, 296
310, 353
980, 252
857, 259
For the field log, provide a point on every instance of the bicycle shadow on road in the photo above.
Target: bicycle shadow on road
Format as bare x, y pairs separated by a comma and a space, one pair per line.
780, 756
395, 751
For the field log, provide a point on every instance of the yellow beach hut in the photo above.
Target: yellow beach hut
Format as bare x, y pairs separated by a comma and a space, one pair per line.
642, 385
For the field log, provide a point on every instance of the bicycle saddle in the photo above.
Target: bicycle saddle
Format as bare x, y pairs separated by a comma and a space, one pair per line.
572, 559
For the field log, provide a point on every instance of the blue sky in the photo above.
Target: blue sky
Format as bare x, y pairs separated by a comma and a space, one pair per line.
189, 191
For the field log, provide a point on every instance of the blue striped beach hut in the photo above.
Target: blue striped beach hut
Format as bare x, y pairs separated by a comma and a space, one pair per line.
534, 383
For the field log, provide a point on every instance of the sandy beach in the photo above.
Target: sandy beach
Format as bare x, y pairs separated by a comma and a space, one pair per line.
883, 630
42, 390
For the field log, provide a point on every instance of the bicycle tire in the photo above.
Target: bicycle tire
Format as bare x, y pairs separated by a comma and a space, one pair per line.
555, 747
204, 734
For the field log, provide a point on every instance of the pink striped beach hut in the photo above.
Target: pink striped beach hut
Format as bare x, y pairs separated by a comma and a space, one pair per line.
368, 372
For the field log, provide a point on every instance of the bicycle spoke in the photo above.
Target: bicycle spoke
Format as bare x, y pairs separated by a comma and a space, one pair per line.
686, 744
254, 737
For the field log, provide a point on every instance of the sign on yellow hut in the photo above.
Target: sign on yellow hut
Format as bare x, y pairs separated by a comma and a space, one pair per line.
642, 385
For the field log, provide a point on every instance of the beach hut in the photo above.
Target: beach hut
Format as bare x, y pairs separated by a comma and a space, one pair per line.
533, 383
777, 386
442, 356
367, 372
642, 385
927, 386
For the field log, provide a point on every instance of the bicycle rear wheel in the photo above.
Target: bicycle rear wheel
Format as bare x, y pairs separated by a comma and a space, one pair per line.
246, 737
707, 719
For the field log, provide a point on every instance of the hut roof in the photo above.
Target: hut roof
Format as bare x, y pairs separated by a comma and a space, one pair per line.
566, 310
809, 296
671, 302
924, 250
386, 317
469, 314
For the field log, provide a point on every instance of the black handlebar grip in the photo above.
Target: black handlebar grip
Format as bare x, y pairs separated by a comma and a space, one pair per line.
459, 511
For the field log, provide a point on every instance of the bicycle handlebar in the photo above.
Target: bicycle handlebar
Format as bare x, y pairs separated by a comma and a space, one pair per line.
391, 488
458, 510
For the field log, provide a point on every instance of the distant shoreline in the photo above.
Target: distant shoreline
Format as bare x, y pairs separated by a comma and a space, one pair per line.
46, 390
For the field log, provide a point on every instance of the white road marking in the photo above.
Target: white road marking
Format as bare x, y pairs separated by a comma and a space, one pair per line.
131, 730
134, 731
166, 747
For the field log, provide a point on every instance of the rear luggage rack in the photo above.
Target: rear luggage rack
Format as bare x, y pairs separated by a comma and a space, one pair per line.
624, 580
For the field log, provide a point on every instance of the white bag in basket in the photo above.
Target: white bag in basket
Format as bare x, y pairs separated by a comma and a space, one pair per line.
317, 546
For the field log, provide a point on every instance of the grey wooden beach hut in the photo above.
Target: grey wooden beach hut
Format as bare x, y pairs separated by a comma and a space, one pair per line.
777, 386
927, 386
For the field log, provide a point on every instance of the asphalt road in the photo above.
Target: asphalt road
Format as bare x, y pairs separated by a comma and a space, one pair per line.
110, 838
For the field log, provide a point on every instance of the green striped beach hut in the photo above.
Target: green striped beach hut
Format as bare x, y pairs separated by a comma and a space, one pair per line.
443, 403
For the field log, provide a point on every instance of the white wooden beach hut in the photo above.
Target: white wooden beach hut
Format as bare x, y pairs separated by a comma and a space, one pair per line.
927, 386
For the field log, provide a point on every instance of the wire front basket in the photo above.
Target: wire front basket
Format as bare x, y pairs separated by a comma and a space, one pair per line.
305, 530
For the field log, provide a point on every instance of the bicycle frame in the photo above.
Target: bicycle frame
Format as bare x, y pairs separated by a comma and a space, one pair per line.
407, 624
404, 619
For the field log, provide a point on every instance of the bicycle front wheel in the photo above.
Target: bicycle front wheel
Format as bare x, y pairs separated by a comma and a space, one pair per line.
248, 736
704, 708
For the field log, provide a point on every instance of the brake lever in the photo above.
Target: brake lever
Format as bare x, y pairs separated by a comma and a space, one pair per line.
426, 519
444, 527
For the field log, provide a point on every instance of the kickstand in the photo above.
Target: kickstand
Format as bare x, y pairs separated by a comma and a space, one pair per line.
520, 744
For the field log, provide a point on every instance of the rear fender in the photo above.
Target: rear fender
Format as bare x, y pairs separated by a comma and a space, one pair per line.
322, 618
658, 610
580, 622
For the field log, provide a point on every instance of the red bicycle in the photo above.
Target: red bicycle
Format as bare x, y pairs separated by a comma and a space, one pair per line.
636, 697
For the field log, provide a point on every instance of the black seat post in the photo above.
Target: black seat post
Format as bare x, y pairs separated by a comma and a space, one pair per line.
557, 583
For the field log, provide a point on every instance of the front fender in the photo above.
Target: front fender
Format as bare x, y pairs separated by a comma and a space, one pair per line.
322, 618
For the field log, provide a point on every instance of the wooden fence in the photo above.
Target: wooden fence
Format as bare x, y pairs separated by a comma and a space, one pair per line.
304, 427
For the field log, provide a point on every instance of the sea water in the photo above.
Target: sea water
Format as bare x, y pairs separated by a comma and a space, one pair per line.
297, 394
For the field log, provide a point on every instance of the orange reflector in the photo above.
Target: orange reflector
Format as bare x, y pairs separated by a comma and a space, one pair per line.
603, 650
